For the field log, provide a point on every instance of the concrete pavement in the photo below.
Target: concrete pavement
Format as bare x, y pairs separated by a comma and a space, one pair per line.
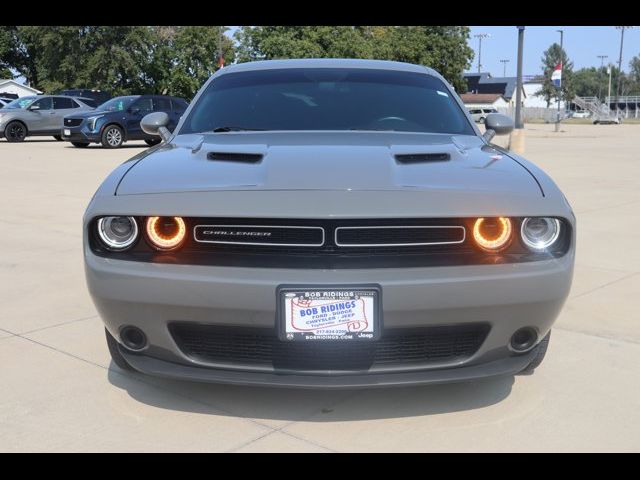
60, 392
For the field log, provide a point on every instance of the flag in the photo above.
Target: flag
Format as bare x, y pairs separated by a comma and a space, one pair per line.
221, 61
556, 76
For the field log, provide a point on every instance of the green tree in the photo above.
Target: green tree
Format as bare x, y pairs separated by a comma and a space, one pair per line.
185, 57
634, 74
443, 48
550, 58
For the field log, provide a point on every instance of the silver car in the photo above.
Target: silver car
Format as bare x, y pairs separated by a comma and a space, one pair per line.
328, 224
479, 115
40, 115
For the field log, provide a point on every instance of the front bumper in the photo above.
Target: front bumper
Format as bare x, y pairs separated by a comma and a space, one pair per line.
80, 134
150, 296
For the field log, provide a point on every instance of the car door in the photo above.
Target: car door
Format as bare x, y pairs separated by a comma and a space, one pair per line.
138, 109
62, 106
163, 104
38, 115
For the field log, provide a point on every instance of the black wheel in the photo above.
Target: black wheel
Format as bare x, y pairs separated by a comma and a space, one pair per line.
116, 356
58, 137
153, 141
15, 131
80, 144
541, 351
112, 137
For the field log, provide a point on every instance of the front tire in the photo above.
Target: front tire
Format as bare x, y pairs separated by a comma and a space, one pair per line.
112, 137
80, 144
116, 356
541, 351
15, 131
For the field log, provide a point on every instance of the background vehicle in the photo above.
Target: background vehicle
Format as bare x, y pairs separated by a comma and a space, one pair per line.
118, 120
479, 115
38, 115
580, 114
98, 96
4, 101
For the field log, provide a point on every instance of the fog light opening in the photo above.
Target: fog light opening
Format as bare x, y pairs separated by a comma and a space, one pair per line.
133, 338
523, 339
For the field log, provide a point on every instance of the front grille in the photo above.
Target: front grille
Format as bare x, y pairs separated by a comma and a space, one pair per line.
273, 235
72, 122
382, 236
260, 347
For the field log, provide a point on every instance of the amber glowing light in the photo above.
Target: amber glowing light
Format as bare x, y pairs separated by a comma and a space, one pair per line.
166, 233
496, 240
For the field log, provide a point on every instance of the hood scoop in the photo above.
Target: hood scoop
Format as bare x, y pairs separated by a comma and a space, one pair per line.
409, 158
235, 157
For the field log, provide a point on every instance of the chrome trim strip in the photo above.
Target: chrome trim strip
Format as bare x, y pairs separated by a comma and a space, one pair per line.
262, 243
464, 236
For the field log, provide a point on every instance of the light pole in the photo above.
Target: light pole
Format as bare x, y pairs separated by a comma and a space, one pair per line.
619, 67
480, 36
519, 124
504, 62
609, 94
601, 57
560, 86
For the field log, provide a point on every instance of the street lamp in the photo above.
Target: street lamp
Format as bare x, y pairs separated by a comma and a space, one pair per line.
519, 124
620, 66
480, 36
504, 62
601, 57
560, 86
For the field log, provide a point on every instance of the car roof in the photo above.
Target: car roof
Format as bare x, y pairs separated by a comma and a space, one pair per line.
327, 63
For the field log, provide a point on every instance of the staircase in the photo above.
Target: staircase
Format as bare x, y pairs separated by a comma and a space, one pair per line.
599, 111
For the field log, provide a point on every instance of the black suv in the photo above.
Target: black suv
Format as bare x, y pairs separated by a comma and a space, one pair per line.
99, 96
118, 120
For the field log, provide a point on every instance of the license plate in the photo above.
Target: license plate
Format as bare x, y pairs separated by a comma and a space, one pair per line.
67, 132
331, 313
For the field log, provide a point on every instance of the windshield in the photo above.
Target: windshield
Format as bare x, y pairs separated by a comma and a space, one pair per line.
117, 104
327, 99
22, 102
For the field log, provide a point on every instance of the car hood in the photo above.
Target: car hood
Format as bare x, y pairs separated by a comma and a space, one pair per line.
90, 113
348, 161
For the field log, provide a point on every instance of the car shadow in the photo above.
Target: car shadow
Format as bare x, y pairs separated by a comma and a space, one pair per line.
311, 405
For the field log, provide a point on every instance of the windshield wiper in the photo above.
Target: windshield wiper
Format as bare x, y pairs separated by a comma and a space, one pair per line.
236, 129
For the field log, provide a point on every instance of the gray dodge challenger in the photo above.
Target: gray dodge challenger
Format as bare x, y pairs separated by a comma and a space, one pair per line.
328, 224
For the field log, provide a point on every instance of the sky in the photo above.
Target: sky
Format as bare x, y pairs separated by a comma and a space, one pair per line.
582, 45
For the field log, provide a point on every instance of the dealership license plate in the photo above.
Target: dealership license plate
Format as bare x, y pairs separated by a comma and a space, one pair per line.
329, 314
67, 132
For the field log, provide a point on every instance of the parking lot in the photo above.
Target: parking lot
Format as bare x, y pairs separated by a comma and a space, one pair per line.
60, 392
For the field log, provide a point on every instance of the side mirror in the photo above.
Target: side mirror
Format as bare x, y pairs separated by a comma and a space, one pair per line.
134, 111
497, 124
34, 107
156, 124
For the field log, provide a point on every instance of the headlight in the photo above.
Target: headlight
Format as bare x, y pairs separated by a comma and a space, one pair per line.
166, 233
91, 121
118, 233
539, 233
492, 234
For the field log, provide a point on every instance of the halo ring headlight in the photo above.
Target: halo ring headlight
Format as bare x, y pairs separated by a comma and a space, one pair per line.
539, 233
117, 233
166, 233
492, 234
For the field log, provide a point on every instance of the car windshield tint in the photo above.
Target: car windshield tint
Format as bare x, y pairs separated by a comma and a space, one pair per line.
22, 102
117, 104
327, 99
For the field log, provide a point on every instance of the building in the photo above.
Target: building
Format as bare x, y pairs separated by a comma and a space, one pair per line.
13, 88
531, 85
484, 100
484, 83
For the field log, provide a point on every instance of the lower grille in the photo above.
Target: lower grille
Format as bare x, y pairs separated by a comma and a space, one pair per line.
262, 348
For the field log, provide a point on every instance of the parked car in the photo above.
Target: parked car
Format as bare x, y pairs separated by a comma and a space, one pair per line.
98, 96
479, 115
580, 114
293, 232
38, 115
118, 120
